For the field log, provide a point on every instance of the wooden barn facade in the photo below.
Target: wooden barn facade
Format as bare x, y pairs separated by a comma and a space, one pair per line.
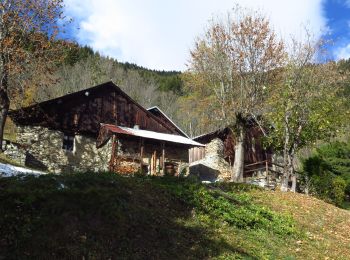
254, 154
98, 129
82, 112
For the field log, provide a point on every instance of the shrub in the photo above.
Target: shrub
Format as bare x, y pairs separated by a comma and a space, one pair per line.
337, 193
327, 172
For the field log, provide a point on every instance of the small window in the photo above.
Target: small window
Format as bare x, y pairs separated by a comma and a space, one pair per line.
68, 142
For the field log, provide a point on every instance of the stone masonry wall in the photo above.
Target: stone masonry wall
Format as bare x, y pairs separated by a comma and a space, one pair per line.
213, 166
42, 149
14, 151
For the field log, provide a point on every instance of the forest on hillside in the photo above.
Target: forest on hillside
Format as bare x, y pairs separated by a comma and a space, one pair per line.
82, 68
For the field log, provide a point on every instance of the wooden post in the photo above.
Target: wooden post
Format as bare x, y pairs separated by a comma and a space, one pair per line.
154, 163
163, 158
111, 162
151, 166
141, 154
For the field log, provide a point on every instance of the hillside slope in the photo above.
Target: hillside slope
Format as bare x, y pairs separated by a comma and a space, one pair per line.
327, 227
105, 216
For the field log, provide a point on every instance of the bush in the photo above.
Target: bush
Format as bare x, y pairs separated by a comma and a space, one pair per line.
328, 172
346, 177
337, 193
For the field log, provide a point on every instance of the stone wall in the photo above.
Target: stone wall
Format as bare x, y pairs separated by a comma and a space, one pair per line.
213, 166
41, 148
14, 151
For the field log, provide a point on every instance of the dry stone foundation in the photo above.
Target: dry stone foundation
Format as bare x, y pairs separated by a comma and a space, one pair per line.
14, 151
41, 148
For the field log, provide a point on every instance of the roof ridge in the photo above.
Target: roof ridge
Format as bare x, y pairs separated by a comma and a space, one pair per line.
171, 121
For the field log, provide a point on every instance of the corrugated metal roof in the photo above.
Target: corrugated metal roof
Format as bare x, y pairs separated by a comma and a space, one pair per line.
152, 135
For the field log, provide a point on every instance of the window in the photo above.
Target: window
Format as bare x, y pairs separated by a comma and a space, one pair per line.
68, 142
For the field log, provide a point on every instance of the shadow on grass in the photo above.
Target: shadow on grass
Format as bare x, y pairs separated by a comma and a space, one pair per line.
100, 217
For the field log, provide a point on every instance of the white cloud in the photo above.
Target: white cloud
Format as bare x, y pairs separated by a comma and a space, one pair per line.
158, 34
342, 52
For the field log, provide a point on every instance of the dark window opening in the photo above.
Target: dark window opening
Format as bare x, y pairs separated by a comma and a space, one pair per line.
68, 142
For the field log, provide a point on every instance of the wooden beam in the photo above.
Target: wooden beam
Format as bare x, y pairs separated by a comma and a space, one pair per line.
163, 158
154, 163
111, 162
252, 164
151, 166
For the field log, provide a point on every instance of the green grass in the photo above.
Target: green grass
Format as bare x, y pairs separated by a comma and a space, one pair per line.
106, 216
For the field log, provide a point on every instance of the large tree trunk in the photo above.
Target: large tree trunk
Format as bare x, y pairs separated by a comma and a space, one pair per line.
287, 173
294, 182
4, 108
4, 99
286, 157
289, 150
238, 165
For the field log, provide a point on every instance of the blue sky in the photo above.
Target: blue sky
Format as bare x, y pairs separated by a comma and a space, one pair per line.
158, 34
337, 15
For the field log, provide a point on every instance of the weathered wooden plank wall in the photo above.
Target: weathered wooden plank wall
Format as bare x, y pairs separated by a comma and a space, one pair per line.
83, 111
155, 155
254, 150
196, 154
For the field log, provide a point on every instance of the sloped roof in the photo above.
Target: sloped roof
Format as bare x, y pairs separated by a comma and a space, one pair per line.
151, 135
220, 133
156, 108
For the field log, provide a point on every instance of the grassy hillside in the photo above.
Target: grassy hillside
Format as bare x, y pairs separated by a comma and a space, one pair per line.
105, 216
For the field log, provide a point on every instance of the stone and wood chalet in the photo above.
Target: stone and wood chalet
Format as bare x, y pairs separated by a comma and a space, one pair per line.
99, 129
215, 160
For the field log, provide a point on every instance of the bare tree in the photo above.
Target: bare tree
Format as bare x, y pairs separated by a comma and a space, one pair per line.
236, 60
28, 50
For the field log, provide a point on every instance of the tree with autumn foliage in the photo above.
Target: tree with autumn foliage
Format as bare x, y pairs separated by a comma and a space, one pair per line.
233, 63
306, 105
28, 48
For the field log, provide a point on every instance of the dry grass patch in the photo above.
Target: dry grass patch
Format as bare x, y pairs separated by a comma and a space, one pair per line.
326, 226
